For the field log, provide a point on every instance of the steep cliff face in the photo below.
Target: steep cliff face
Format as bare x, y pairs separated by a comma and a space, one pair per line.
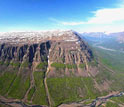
26, 52
67, 48
68, 55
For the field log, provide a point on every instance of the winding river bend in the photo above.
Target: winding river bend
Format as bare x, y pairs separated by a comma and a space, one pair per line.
15, 103
18, 104
99, 101
95, 103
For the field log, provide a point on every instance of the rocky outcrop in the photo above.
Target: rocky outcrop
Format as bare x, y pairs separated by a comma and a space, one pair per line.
26, 52
66, 48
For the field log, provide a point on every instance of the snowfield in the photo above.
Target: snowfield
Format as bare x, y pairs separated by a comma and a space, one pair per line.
36, 37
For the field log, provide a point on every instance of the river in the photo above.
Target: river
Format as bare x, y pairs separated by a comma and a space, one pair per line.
95, 103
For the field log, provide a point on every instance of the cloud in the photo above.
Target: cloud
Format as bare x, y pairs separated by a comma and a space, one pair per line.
105, 19
106, 16
66, 23
73, 23
105, 28
101, 16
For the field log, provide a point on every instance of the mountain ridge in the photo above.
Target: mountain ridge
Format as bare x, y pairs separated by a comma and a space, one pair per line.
60, 68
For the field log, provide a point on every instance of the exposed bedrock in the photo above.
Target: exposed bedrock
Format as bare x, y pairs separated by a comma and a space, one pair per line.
68, 49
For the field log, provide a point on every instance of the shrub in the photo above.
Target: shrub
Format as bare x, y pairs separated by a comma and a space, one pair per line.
19, 87
31, 92
71, 66
25, 64
16, 64
40, 97
5, 81
42, 65
1, 62
110, 104
69, 89
93, 63
82, 65
6, 63
58, 65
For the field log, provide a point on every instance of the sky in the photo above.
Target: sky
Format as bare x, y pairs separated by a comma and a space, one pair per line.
78, 15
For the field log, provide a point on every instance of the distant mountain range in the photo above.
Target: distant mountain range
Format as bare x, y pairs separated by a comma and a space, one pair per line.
119, 35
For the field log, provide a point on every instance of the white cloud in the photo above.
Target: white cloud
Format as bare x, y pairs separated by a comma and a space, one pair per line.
106, 19
105, 28
106, 16
66, 23
101, 16
73, 23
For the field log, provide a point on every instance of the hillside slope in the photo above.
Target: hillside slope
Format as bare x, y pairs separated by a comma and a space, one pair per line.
50, 68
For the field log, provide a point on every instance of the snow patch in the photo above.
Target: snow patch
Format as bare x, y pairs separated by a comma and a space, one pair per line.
23, 37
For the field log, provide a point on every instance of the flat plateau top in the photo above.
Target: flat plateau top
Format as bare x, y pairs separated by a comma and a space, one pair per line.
37, 37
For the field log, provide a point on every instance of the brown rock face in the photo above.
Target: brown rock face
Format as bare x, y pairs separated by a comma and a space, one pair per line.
26, 52
64, 47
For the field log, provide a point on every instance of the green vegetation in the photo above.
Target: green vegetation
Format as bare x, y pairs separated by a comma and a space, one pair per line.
93, 63
63, 66
6, 63
3, 105
88, 102
25, 64
19, 87
82, 66
63, 59
58, 65
114, 61
15, 64
40, 97
1, 62
118, 99
71, 66
44, 58
110, 104
5, 81
112, 43
111, 58
64, 90
31, 92
42, 65
103, 75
